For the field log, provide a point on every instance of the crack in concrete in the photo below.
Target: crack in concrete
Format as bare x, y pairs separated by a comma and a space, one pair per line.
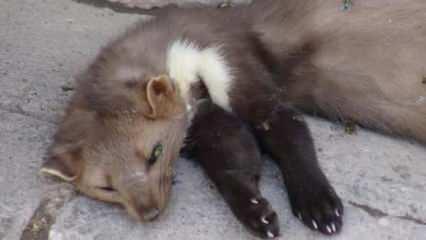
38, 228
374, 212
377, 213
412, 219
18, 110
39, 225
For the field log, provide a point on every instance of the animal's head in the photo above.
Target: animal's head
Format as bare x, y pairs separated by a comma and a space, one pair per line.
118, 141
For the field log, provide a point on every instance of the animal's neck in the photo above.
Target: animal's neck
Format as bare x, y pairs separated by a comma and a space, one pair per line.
187, 64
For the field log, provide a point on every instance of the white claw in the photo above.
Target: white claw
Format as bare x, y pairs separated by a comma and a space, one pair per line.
188, 108
270, 234
328, 229
264, 220
333, 227
254, 201
337, 212
315, 224
299, 216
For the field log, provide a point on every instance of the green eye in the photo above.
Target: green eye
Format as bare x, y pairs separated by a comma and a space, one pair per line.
156, 153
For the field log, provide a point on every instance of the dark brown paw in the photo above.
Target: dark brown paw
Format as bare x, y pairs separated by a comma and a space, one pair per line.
320, 209
258, 216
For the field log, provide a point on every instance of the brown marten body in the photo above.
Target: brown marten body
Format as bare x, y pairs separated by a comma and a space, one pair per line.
260, 64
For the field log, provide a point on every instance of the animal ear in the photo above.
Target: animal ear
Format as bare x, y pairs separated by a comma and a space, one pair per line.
161, 96
66, 165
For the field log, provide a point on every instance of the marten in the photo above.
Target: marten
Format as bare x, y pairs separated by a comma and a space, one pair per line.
262, 65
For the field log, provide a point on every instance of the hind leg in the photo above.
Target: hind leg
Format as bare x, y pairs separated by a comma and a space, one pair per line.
284, 135
229, 155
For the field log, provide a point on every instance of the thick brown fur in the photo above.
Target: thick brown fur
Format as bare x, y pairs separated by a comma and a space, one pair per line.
370, 57
105, 140
228, 152
366, 65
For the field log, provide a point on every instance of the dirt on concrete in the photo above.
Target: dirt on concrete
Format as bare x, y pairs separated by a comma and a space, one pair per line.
44, 216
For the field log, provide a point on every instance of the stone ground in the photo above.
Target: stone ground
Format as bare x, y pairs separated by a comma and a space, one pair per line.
44, 43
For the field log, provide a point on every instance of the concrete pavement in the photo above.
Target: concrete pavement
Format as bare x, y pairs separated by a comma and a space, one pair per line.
44, 43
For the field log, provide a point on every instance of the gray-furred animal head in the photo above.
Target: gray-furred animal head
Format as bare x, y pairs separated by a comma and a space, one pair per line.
120, 135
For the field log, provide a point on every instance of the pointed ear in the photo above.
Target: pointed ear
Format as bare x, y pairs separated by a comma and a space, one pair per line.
161, 96
66, 165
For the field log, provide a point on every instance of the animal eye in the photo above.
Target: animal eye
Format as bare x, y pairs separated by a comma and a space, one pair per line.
156, 153
107, 189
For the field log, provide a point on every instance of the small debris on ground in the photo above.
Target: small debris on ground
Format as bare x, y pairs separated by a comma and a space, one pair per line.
44, 216
350, 127
66, 88
347, 5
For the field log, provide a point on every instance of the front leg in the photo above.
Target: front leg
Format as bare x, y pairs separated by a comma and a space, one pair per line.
229, 154
284, 135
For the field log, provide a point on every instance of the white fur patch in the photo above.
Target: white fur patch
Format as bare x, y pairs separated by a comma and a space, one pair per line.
186, 62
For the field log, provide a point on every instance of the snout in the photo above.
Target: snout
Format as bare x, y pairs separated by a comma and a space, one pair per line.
146, 194
148, 214
150, 210
148, 205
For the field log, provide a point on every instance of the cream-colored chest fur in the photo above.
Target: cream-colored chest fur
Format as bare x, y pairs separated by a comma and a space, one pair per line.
187, 63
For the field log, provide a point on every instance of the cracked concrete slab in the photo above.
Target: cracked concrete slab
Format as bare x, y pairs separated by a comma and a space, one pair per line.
23, 141
38, 227
44, 43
